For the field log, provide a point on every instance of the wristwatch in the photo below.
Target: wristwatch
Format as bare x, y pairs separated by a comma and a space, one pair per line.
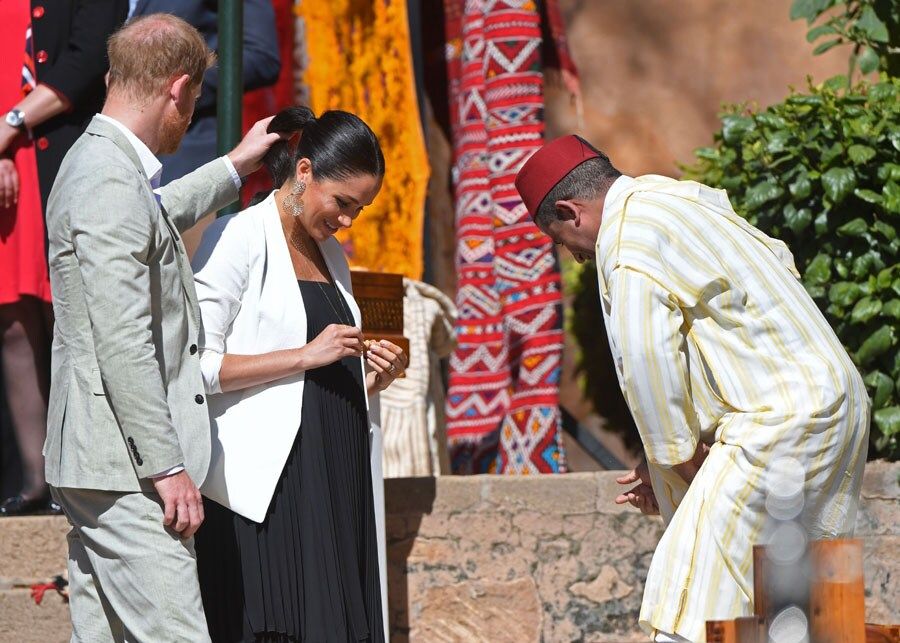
16, 118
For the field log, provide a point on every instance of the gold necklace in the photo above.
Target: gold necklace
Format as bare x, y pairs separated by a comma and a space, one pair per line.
304, 250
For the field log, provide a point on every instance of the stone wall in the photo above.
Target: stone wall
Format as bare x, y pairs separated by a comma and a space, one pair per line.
494, 558
486, 558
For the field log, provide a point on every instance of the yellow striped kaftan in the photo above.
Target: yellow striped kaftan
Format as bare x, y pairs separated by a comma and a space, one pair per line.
715, 339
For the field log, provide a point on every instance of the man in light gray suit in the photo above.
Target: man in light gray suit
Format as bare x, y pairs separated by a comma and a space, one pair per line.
128, 438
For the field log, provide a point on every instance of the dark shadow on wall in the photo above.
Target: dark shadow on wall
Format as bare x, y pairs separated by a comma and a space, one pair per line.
407, 500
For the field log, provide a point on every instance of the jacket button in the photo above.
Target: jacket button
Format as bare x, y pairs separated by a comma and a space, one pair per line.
43, 143
140, 462
193, 349
41, 56
37, 12
198, 399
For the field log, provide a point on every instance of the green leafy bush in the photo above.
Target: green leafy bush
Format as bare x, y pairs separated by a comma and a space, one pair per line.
870, 26
822, 172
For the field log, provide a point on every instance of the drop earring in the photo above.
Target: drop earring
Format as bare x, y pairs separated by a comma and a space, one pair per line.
292, 202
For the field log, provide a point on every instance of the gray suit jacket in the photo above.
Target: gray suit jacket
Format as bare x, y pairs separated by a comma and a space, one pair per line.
126, 398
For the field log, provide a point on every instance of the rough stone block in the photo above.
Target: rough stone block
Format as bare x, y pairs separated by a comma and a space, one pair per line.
33, 547
22, 621
479, 611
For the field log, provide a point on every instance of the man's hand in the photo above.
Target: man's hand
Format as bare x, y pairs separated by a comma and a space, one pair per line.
688, 470
183, 505
641, 496
248, 155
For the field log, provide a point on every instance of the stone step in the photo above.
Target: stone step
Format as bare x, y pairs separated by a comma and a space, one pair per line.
32, 548
23, 621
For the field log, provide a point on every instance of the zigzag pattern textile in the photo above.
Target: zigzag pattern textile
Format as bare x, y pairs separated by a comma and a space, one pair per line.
503, 399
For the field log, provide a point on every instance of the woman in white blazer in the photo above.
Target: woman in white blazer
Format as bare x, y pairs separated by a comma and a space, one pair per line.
292, 548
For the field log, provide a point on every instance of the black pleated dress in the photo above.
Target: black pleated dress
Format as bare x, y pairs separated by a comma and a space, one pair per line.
309, 572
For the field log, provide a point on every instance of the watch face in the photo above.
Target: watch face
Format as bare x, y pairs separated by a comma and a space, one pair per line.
15, 118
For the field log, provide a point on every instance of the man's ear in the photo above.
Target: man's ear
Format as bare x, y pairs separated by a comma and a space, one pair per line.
568, 211
180, 91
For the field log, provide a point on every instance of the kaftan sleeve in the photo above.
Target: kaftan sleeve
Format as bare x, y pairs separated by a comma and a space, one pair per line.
645, 326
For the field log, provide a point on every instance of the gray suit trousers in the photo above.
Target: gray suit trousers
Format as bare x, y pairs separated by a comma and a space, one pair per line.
131, 579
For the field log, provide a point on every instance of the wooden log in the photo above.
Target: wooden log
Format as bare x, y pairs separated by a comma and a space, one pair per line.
882, 633
760, 582
749, 629
721, 632
837, 593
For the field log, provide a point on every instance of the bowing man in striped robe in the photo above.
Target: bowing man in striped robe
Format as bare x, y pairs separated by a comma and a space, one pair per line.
739, 387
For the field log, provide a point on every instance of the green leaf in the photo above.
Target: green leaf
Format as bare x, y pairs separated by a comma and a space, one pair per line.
844, 293
840, 266
867, 263
797, 220
891, 197
889, 172
821, 30
868, 61
886, 230
872, 26
838, 183
896, 286
762, 193
892, 309
818, 271
867, 195
876, 345
864, 310
821, 222
825, 46
855, 228
882, 91
832, 153
859, 154
888, 420
806, 9
735, 128
836, 83
801, 188
883, 387
778, 141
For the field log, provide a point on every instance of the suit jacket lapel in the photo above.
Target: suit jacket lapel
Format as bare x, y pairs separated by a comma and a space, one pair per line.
184, 267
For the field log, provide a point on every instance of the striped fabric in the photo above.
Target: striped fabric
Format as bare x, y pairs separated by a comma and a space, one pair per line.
29, 79
716, 340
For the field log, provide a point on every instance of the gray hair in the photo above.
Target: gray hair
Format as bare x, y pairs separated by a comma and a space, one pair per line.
586, 181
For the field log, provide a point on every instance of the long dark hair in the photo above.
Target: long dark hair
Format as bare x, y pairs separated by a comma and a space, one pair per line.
337, 143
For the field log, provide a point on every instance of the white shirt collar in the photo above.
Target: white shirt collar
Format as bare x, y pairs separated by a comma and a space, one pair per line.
615, 190
152, 166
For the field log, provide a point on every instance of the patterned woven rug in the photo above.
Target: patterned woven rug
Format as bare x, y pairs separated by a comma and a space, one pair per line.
503, 400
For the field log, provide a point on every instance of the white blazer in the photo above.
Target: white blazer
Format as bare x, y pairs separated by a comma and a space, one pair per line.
250, 304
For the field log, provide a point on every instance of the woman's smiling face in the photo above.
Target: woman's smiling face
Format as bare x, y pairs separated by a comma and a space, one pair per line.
330, 205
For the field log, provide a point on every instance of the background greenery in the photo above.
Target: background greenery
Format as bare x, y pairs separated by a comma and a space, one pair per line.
820, 170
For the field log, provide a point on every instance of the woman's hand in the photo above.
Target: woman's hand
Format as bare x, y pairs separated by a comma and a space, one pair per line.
9, 183
387, 361
333, 344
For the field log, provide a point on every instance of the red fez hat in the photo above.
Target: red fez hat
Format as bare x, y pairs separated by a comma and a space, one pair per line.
550, 165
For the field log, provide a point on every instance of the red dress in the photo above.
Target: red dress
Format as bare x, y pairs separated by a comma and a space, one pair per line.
23, 256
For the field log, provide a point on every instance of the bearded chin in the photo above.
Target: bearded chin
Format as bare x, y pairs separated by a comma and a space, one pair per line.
172, 133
